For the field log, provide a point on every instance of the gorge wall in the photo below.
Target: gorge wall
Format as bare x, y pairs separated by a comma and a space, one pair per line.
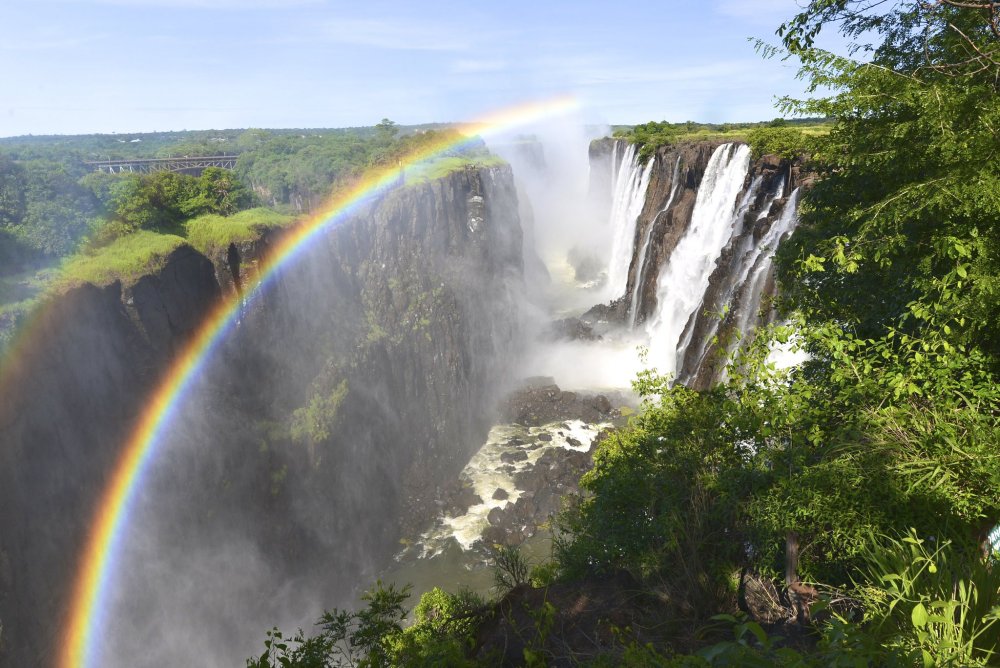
364, 377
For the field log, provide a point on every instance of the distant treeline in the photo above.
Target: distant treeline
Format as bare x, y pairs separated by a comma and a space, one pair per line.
51, 202
790, 135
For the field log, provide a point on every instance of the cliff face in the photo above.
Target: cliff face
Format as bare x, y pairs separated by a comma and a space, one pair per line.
347, 391
678, 175
68, 399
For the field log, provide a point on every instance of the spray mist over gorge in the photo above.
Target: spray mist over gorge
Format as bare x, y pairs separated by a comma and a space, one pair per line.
338, 413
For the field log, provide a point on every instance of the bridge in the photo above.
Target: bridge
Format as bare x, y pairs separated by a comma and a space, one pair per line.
150, 165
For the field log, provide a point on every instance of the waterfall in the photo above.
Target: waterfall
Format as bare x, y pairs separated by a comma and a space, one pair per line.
640, 272
628, 195
745, 257
763, 259
683, 281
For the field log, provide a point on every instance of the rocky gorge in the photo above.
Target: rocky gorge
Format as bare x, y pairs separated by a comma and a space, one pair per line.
374, 392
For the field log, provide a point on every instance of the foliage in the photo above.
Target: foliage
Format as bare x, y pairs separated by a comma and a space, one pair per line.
783, 141
665, 498
429, 170
211, 232
126, 259
301, 171
162, 200
374, 637
43, 207
933, 603
313, 424
650, 136
510, 568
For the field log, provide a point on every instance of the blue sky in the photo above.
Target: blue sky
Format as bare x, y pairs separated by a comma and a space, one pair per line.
72, 66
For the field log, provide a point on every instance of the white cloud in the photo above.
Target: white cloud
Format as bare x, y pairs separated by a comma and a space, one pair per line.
764, 10
398, 35
49, 40
478, 66
200, 4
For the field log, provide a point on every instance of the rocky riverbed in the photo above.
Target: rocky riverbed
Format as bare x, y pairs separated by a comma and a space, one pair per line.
516, 482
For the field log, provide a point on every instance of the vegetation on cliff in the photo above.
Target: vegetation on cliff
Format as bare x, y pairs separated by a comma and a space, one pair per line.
782, 137
837, 513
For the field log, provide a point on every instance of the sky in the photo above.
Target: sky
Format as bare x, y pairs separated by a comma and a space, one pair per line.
82, 66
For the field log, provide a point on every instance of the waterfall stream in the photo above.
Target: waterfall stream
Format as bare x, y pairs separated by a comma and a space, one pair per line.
684, 279
640, 272
628, 196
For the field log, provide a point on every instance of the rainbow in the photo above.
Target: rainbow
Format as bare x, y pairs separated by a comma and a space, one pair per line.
80, 641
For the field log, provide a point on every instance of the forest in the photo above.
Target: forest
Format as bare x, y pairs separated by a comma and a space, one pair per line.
62, 222
842, 513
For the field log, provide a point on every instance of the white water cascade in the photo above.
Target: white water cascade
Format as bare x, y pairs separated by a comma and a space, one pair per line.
764, 258
640, 272
683, 281
628, 195
747, 253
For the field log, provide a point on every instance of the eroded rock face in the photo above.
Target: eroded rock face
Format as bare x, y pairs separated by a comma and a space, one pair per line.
408, 305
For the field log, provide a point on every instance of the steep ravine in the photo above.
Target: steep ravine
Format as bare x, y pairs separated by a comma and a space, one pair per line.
361, 380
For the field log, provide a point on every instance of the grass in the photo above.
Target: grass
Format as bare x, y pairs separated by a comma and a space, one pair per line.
125, 259
134, 255
210, 233
429, 170
740, 134
650, 136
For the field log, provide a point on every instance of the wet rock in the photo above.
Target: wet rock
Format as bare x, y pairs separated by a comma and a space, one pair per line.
601, 404
545, 437
461, 500
494, 535
540, 403
575, 443
572, 329
513, 456
500, 494
496, 517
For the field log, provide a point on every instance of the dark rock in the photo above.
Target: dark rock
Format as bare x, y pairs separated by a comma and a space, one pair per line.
545, 437
500, 494
572, 329
540, 403
496, 517
461, 501
575, 443
513, 456
589, 614
601, 404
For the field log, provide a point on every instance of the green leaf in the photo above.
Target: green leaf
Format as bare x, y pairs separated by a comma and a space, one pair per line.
919, 616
